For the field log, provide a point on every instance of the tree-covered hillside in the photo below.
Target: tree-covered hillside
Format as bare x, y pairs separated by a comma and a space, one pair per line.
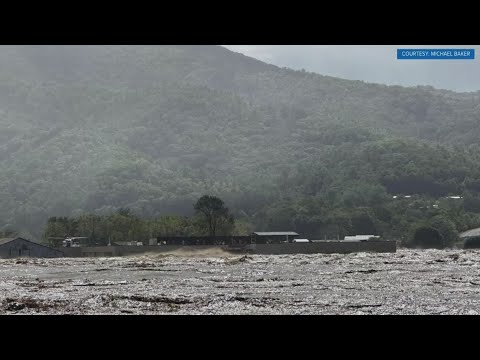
93, 129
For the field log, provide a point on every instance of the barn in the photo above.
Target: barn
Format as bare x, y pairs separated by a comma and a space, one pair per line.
19, 247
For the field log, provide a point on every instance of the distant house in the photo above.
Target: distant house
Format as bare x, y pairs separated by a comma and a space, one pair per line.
273, 237
19, 247
471, 238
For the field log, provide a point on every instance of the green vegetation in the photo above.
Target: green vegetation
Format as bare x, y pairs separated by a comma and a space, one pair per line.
212, 211
86, 131
428, 237
124, 226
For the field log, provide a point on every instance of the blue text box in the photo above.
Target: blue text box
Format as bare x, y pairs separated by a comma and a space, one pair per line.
435, 54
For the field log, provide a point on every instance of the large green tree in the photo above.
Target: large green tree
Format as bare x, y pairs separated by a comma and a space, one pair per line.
214, 213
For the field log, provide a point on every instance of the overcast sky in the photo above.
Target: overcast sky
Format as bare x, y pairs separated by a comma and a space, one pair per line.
372, 63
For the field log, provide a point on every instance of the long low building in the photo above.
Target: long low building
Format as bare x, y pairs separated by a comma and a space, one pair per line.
260, 237
19, 247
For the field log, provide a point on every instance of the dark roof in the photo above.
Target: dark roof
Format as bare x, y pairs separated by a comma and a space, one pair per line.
7, 240
277, 233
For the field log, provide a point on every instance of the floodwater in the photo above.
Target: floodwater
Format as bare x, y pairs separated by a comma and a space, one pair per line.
405, 282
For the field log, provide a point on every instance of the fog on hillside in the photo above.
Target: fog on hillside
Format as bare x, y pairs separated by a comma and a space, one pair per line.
130, 137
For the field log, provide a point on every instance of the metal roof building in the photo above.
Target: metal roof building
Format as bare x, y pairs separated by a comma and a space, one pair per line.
19, 247
470, 233
260, 237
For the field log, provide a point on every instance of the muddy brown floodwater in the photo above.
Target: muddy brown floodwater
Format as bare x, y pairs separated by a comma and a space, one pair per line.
406, 282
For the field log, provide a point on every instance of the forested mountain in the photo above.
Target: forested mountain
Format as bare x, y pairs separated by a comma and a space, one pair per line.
92, 129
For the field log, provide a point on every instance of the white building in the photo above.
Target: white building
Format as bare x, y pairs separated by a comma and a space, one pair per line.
360, 237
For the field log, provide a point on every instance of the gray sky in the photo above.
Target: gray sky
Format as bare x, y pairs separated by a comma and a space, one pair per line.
372, 63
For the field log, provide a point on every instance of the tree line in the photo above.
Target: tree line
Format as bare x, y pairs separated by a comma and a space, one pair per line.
212, 218
413, 222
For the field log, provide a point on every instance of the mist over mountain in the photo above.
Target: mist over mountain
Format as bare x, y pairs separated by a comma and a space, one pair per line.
152, 128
